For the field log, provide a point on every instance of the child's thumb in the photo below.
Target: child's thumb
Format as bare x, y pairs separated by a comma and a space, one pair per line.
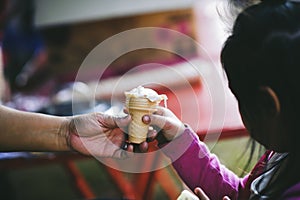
155, 120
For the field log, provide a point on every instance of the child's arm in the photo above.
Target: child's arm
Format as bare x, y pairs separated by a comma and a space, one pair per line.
199, 168
192, 160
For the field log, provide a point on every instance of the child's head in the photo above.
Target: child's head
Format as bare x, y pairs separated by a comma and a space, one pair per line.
262, 62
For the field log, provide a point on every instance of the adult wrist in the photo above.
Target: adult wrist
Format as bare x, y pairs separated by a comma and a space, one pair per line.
65, 134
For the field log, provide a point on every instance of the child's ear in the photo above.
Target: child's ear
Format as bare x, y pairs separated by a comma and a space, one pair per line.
269, 101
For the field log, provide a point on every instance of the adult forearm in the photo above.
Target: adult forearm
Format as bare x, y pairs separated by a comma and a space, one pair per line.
24, 131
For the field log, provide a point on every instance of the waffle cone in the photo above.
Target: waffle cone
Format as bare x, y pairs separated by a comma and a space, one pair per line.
138, 107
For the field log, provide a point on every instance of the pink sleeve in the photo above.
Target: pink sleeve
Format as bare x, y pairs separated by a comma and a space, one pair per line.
199, 168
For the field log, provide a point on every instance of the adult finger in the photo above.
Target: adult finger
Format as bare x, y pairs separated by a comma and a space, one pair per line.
125, 110
128, 152
120, 153
143, 147
114, 121
130, 148
137, 148
122, 121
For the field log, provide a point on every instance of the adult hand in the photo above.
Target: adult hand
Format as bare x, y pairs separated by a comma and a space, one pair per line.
166, 122
98, 134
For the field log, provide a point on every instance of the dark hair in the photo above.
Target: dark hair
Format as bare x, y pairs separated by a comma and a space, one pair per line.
264, 50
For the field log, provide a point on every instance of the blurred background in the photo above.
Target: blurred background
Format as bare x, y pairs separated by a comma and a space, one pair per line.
44, 44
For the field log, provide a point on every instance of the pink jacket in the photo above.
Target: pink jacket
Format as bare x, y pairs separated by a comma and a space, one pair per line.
199, 168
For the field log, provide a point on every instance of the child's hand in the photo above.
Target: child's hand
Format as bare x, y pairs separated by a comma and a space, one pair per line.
164, 121
202, 196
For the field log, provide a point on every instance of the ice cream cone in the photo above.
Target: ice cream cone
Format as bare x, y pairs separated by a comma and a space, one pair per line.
138, 105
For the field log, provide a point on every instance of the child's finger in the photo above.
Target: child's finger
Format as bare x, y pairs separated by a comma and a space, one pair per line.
158, 121
200, 194
226, 198
160, 111
152, 134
